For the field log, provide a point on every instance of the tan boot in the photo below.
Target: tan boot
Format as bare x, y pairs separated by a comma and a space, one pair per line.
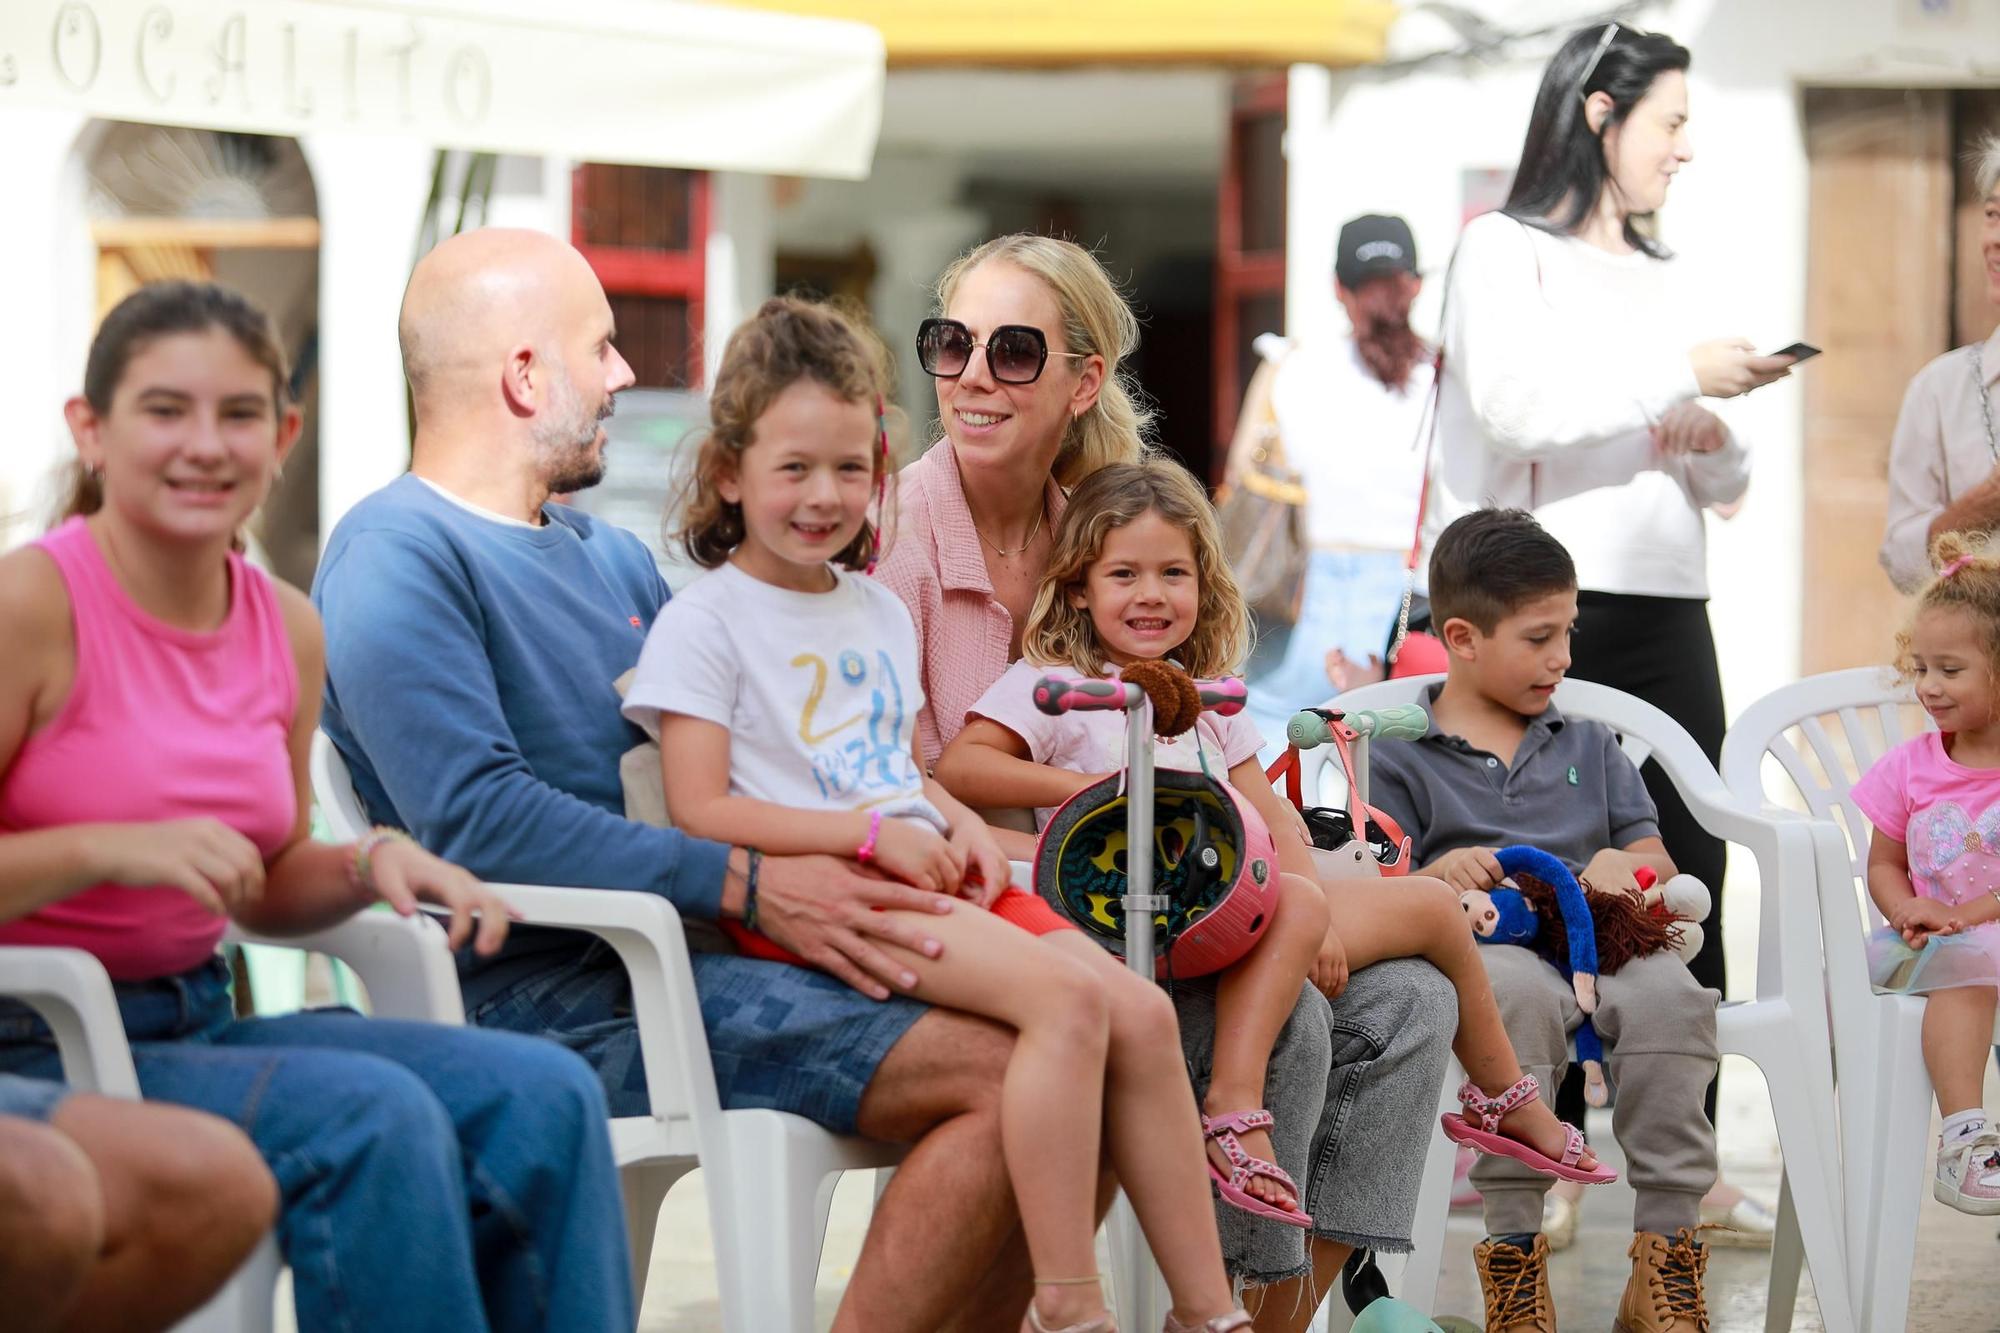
1516, 1287
1665, 1293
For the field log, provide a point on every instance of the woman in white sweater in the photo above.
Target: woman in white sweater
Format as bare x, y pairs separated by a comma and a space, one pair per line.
1572, 373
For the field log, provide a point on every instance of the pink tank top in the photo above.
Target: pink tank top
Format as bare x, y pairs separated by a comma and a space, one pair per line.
161, 723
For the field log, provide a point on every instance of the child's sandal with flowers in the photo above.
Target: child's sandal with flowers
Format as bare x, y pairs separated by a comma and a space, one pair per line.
1479, 1128
1243, 1168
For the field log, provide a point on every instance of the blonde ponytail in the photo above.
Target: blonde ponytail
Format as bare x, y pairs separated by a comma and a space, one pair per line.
1968, 579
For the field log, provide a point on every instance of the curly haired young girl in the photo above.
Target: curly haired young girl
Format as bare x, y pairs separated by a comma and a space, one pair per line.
1138, 574
783, 689
1934, 859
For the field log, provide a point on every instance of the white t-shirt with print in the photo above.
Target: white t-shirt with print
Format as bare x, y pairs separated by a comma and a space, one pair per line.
1094, 742
819, 691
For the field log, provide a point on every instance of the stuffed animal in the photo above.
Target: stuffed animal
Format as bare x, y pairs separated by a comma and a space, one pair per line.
1586, 929
1682, 901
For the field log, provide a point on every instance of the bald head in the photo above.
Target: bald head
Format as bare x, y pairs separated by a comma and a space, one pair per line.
480, 295
507, 343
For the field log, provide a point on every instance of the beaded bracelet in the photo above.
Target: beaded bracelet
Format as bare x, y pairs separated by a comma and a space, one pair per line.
756, 863
359, 871
866, 851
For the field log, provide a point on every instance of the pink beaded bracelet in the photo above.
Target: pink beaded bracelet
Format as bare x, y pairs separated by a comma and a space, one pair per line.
866, 851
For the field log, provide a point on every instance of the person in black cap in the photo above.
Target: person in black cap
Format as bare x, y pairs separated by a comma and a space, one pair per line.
1346, 412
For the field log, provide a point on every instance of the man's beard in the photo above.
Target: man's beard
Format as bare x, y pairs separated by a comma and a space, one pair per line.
566, 439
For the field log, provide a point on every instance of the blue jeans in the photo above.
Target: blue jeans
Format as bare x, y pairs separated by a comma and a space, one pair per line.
1351, 602
780, 1038
432, 1178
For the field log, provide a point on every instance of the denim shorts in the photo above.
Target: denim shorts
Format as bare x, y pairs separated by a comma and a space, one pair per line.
30, 1098
781, 1038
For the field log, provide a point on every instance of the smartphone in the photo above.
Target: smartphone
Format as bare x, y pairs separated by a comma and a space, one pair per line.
1797, 352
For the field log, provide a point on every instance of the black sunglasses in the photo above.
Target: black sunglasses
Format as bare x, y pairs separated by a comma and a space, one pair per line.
1015, 353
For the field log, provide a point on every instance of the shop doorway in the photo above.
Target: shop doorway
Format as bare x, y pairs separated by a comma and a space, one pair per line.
238, 209
1893, 280
1127, 162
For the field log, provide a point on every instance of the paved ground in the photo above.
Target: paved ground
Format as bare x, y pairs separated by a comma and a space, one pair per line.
1587, 1278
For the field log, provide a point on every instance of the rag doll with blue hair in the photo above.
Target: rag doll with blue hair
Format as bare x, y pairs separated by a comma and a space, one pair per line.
1581, 931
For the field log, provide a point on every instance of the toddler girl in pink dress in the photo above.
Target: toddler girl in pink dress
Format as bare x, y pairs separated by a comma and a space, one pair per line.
1934, 859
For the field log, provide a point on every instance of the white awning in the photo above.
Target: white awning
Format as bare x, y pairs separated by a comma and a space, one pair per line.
653, 82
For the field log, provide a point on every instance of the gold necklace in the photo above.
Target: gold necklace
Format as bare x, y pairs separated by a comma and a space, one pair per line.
1032, 534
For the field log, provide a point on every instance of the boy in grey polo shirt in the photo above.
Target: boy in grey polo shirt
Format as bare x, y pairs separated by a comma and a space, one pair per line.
1499, 766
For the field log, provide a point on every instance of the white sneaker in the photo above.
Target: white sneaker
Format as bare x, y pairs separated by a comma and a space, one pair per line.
1746, 1224
1559, 1220
1968, 1174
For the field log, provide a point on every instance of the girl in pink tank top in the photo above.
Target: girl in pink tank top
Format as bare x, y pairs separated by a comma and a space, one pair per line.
156, 714
158, 696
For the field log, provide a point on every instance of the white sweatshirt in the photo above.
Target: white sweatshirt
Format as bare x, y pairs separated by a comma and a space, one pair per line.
1559, 357
1354, 439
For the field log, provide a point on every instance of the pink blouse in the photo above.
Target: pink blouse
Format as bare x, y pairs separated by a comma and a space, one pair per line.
934, 563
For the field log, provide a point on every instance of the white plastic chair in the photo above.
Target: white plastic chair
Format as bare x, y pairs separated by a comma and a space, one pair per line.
1784, 1030
1823, 733
770, 1175
404, 963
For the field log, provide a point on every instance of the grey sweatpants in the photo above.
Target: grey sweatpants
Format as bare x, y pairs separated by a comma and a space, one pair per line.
1658, 1026
1353, 1085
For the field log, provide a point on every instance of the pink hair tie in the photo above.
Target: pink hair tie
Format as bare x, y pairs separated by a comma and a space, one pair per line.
1954, 567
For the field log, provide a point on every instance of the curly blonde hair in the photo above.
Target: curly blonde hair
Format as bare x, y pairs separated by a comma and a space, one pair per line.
786, 341
1096, 320
1059, 634
1968, 579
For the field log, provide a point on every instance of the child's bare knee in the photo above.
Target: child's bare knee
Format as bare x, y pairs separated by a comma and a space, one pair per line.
1302, 908
1141, 1014
1433, 908
1069, 997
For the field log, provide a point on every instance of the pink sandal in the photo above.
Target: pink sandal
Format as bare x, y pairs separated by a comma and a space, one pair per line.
1243, 1167
1487, 1138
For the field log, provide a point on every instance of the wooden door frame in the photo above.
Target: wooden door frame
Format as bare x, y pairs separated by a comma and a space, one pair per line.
638, 271
1239, 274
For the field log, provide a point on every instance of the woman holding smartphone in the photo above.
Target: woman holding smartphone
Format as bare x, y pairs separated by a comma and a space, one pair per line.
1573, 374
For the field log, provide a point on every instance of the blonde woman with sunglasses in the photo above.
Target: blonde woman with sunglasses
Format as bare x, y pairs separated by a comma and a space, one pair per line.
1026, 348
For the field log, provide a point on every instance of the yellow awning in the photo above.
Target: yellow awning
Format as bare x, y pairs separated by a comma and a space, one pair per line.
1073, 32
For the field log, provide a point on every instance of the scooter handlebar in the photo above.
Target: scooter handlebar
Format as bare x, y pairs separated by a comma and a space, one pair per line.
1405, 722
1056, 695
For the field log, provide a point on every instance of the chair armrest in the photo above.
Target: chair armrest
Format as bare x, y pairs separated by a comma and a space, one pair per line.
1789, 940
404, 962
72, 993
1788, 935
645, 930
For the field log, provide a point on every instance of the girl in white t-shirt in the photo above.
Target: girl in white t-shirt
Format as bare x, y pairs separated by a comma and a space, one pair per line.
784, 690
1138, 573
